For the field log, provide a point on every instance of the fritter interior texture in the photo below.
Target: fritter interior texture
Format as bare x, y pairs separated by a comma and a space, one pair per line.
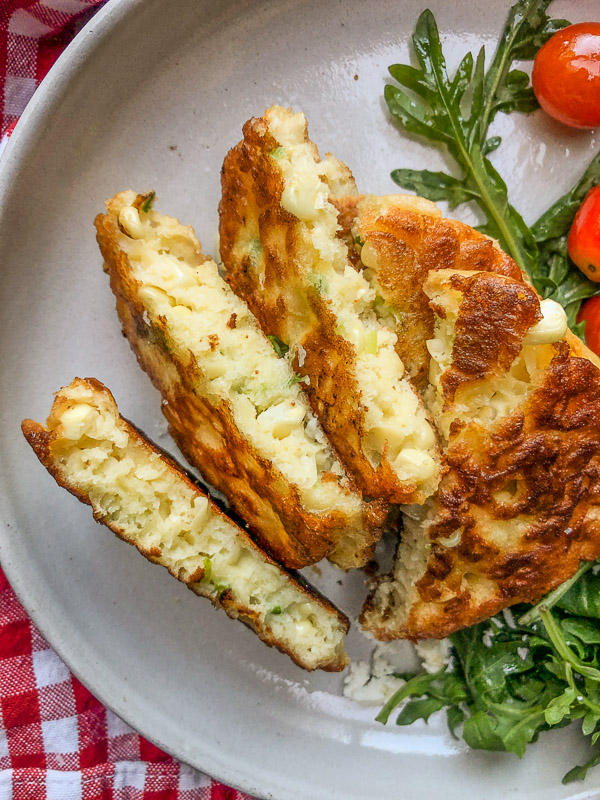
233, 406
146, 500
519, 507
280, 245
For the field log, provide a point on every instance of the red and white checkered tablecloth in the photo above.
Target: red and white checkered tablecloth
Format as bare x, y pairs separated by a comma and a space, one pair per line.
57, 742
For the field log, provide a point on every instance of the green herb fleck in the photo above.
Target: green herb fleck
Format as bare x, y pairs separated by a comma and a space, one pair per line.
278, 153
276, 610
146, 204
281, 348
384, 309
297, 379
359, 240
220, 588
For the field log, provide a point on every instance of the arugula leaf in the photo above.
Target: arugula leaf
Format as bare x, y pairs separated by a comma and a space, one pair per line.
558, 708
478, 732
555, 596
415, 686
589, 723
434, 185
456, 114
559, 217
455, 716
437, 116
556, 277
583, 598
443, 689
585, 630
527, 28
419, 709
504, 684
579, 773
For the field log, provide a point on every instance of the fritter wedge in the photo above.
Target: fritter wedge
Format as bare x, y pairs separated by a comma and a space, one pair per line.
398, 239
519, 507
146, 500
233, 406
280, 246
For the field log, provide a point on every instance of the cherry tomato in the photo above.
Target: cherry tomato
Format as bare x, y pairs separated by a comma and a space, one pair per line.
566, 75
583, 243
590, 312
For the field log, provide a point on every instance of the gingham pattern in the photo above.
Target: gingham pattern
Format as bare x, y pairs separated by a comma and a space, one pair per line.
32, 36
57, 742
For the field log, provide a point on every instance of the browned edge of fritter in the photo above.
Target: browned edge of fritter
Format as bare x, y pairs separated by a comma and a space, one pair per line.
408, 245
250, 207
41, 441
548, 450
209, 438
485, 342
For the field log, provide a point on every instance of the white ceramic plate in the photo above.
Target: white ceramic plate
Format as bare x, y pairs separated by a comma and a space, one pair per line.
152, 94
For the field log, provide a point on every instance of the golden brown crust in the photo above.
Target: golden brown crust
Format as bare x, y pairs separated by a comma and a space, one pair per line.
495, 315
42, 439
408, 245
551, 451
578, 348
271, 284
523, 491
210, 439
347, 208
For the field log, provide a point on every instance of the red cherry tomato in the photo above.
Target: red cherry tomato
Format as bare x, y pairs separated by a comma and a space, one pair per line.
566, 75
590, 312
583, 243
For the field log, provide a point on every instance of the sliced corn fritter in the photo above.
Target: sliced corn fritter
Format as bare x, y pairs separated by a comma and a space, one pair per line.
144, 498
233, 406
397, 240
280, 246
519, 508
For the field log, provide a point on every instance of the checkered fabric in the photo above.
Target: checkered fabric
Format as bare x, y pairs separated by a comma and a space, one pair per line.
32, 36
57, 742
